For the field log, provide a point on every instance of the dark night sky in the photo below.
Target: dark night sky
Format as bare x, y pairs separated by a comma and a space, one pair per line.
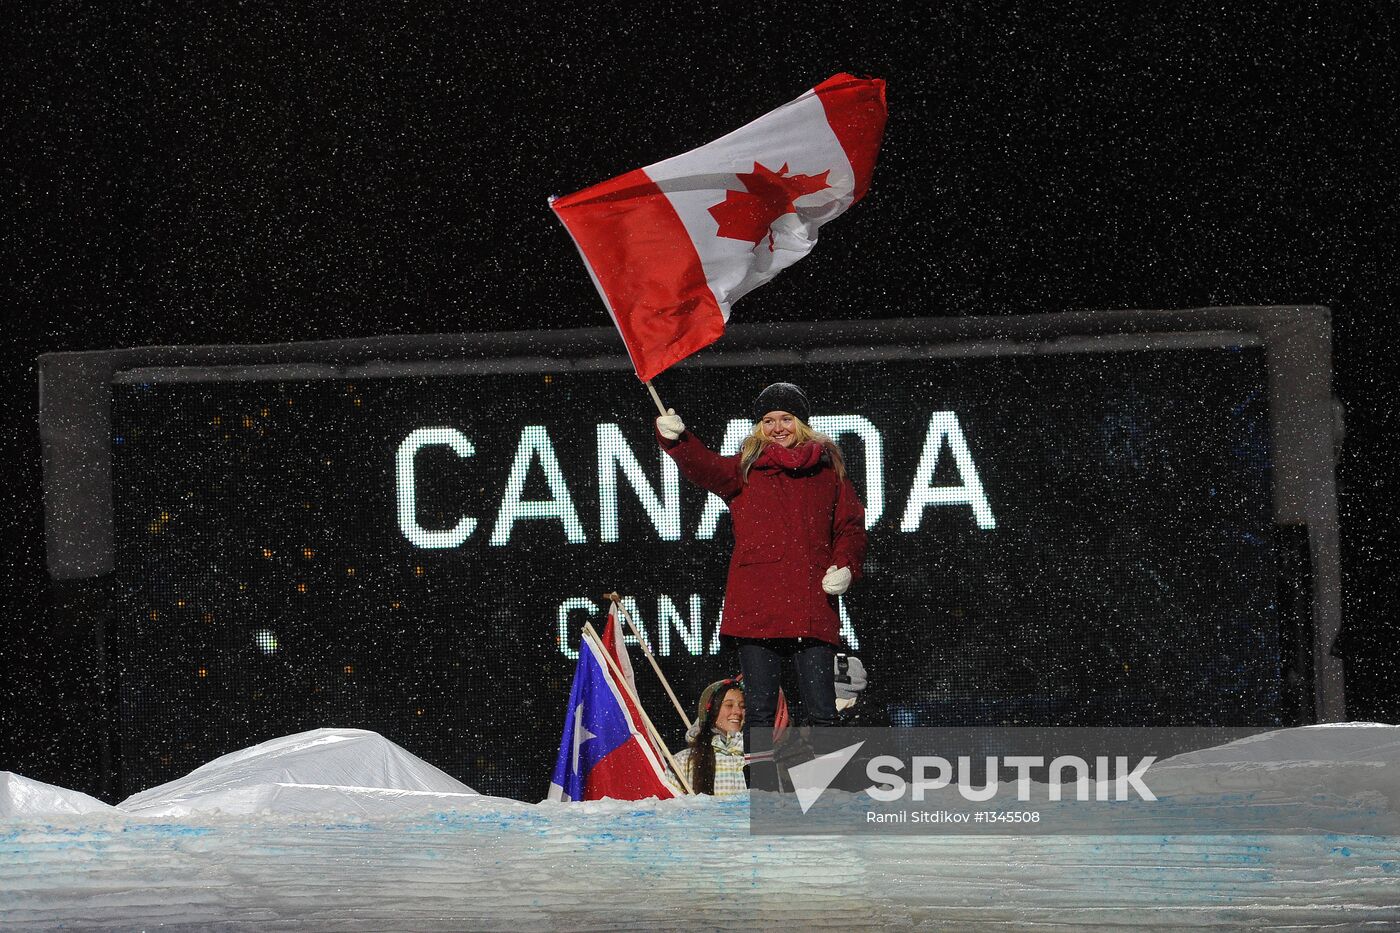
252, 173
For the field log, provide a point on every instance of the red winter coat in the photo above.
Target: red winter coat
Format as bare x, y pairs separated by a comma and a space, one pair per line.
789, 526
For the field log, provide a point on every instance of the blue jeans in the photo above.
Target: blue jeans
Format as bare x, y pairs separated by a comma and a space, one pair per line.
812, 663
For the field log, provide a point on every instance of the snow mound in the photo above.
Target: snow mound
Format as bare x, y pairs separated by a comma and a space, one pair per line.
1323, 744
23, 797
321, 771
1339, 760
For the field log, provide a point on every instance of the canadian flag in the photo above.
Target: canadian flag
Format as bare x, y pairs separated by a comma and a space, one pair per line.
672, 246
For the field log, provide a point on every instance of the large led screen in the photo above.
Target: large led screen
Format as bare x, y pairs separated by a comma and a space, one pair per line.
1072, 539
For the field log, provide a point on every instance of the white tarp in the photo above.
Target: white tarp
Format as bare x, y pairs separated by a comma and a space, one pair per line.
22, 797
1340, 760
324, 770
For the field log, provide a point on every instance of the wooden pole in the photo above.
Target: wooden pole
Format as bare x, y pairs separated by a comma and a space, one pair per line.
654, 397
616, 600
592, 634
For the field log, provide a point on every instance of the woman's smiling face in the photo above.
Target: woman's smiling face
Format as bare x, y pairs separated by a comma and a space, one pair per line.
730, 717
780, 427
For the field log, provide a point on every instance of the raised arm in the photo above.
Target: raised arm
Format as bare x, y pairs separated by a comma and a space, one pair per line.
699, 464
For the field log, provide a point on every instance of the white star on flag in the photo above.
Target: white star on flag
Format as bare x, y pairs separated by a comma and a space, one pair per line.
581, 734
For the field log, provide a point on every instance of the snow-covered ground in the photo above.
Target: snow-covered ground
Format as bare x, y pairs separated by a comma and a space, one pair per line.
360, 855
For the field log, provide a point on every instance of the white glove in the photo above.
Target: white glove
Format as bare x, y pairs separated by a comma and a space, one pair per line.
670, 425
837, 580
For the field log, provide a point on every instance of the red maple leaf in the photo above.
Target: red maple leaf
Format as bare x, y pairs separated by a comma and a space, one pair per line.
768, 195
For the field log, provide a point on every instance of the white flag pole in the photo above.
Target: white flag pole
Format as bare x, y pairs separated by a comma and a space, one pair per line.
654, 397
591, 633
616, 600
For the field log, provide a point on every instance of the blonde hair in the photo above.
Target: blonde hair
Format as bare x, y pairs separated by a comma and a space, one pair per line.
753, 446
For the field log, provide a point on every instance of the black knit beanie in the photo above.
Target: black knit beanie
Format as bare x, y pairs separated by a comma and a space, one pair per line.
782, 396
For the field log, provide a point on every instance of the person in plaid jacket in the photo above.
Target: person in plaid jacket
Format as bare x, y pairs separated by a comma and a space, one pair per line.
713, 760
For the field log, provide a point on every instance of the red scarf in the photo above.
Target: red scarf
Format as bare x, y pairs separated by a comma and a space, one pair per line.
802, 457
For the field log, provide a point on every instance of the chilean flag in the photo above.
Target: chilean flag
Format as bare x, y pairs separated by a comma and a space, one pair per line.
614, 644
603, 752
672, 246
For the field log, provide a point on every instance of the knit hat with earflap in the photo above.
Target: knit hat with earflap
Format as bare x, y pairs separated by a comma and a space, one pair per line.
782, 396
702, 711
